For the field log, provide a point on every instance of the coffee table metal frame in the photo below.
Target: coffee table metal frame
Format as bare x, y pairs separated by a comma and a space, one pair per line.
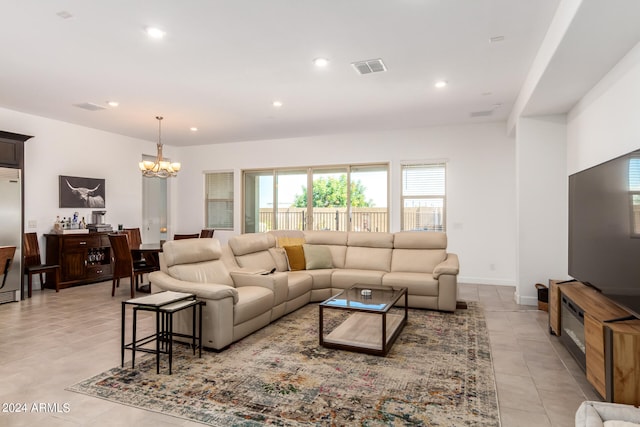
164, 305
379, 303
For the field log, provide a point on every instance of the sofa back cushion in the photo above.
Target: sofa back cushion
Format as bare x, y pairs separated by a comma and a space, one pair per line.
195, 260
417, 260
418, 251
369, 251
252, 250
251, 242
336, 241
420, 240
190, 251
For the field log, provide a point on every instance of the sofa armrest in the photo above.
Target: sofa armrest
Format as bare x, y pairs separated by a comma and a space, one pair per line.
451, 265
209, 291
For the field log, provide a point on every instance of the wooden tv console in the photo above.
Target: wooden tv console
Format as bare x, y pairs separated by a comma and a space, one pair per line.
612, 347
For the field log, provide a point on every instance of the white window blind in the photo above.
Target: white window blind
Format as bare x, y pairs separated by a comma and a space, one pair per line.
423, 180
423, 197
219, 200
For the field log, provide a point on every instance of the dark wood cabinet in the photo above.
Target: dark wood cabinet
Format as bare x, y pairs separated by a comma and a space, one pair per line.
83, 258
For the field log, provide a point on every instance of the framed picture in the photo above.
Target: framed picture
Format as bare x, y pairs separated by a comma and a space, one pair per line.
76, 192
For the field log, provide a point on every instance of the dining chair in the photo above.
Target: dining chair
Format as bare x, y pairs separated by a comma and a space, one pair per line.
123, 265
135, 240
206, 232
185, 236
33, 264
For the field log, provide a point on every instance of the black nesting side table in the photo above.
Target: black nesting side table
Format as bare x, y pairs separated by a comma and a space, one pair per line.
164, 305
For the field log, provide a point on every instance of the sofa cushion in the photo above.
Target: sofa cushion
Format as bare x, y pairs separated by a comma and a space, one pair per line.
417, 260
299, 283
321, 278
317, 257
252, 302
190, 251
420, 240
336, 241
326, 237
343, 279
367, 258
295, 257
422, 284
257, 261
370, 240
203, 272
251, 243
279, 255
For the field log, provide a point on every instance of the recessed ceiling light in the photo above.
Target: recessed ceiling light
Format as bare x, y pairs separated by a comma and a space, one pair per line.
277, 104
440, 84
64, 14
154, 33
193, 129
321, 62
113, 103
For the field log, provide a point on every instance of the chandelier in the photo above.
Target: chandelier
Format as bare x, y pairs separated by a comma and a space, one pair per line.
160, 168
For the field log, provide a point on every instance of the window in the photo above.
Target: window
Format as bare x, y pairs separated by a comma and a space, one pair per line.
423, 197
219, 200
634, 194
344, 198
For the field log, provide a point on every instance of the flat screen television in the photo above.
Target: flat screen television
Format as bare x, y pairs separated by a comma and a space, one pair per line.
604, 229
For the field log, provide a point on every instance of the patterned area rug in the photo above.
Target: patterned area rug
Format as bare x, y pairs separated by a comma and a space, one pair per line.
438, 373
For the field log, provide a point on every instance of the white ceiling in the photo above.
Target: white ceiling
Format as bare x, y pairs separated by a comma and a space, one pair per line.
223, 63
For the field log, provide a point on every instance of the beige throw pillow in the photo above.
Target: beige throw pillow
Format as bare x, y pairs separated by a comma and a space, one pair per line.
317, 257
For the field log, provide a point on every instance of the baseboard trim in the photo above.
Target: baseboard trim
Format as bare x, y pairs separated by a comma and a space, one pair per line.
485, 281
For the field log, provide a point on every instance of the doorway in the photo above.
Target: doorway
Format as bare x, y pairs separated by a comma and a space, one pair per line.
154, 208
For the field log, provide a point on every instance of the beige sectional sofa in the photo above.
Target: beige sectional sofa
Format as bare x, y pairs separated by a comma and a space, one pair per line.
242, 295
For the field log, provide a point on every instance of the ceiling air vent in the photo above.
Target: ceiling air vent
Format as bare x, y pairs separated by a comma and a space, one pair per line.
369, 66
90, 106
485, 113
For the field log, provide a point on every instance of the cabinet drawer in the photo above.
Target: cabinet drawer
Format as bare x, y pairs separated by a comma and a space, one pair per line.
80, 242
98, 271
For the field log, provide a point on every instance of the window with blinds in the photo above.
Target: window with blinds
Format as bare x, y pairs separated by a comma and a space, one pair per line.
423, 197
634, 194
219, 200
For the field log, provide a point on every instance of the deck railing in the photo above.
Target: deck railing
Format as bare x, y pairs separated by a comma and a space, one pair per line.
362, 219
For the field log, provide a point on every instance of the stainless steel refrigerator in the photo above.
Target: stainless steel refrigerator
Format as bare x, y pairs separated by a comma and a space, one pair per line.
11, 230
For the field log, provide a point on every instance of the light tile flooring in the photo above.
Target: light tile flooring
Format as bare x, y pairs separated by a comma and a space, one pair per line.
54, 340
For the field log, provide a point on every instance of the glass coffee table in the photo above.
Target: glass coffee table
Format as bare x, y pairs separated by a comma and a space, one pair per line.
371, 323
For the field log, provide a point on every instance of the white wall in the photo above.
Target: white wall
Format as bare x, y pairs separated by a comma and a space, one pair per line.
541, 204
60, 148
606, 122
480, 173
480, 183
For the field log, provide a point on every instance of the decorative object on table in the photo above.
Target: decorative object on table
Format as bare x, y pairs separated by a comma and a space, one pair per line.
77, 192
438, 373
97, 222
366, 293
159, 168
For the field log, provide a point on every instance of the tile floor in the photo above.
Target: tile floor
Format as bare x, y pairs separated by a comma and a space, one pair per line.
54, 340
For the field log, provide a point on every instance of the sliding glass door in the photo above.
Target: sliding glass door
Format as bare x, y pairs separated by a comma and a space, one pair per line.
339, 198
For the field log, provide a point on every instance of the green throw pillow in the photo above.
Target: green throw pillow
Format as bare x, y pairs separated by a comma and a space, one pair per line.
317, 257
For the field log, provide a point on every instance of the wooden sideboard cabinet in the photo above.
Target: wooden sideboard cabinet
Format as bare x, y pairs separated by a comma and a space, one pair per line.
612, 345
83, 258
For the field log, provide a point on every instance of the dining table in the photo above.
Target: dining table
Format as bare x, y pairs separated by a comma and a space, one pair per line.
150, 252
